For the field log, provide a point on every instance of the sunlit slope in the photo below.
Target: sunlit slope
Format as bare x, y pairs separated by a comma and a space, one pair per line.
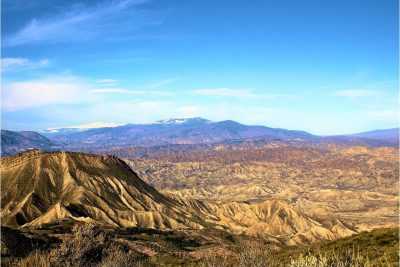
357, 185
275, 219
39, 189
42, 188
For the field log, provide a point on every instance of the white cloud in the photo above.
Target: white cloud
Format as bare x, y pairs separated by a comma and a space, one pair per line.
91, 125
18, 63
147, 89
126, 111
129, 111
64, 89
113, 91
41, 92
82, 22
225, 92
240, 93
354, 93
107, 82
162, 83
128, 92
14, 62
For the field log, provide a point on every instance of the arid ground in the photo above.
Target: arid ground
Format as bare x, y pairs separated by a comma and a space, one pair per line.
200, 202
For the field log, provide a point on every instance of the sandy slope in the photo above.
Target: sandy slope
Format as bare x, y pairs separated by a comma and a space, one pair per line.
43, 188
357, 185
47, 188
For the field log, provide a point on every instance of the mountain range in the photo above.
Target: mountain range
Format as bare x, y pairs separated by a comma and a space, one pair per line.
177, 132
14, 142
173, 131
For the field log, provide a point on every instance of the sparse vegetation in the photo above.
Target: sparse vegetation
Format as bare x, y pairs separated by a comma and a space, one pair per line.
36, 258
91, 246
88, 246
233, 233
252, 254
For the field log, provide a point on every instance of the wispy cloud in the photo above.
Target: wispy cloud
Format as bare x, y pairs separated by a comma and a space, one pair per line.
128, 111
85, 22
128, 92
19, 63
147, 89
355, 93
225, 92
148, 111
111, 91
240, 93
66, 89
45, 91
90, 125
162, 83
107, 82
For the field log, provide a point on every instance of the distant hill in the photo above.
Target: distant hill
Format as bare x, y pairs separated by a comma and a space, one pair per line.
173, 131
14, 142
385, 137
195, 131
386, 134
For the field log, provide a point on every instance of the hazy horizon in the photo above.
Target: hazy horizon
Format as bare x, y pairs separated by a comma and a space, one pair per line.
94, 125
325, 69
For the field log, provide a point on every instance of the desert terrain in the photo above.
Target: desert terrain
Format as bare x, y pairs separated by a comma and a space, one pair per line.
356, 185
179, 205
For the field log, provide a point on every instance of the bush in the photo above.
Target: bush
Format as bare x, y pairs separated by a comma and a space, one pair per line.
254, 254
88, 246
120, 257
85, 248
36, 258
257, 255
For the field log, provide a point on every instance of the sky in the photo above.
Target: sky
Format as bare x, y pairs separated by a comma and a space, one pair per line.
327, 67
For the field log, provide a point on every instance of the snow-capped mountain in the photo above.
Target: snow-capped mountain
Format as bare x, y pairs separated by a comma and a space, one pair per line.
79, 128
179, 131
196, 120
171, 131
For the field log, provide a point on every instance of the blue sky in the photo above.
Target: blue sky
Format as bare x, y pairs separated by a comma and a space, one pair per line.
326, 68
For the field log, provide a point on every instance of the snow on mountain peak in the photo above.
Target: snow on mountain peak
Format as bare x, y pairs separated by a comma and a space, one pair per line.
83, 127
182, 121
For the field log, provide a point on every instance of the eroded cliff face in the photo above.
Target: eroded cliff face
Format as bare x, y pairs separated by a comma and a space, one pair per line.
356, 185
40, 189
